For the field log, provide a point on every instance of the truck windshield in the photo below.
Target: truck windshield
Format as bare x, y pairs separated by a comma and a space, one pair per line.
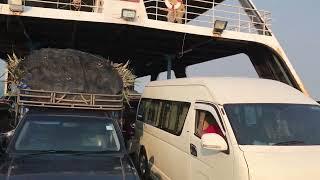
63, 133
275, 124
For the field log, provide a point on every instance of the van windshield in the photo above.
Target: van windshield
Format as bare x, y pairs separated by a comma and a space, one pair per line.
275, 124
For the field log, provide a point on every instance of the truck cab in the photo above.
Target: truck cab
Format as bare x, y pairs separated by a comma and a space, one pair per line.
66, 144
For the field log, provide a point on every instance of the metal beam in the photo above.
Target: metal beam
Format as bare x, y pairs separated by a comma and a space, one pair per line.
169, 65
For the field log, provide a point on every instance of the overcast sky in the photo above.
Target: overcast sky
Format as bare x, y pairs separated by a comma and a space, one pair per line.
296, 24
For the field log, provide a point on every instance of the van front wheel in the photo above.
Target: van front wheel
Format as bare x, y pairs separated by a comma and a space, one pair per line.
144, 165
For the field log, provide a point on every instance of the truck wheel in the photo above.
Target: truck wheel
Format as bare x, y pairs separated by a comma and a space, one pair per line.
143, 165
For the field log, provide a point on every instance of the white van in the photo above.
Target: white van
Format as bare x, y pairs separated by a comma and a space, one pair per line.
260, 130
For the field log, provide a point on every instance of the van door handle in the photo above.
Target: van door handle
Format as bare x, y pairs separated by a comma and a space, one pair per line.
193, 150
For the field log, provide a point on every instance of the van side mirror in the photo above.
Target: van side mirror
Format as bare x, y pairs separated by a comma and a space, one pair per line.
213, 141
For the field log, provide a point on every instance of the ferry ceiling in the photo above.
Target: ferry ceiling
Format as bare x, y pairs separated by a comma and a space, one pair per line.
149, 50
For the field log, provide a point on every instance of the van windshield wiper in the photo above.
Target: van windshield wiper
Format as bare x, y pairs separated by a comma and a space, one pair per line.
288, 143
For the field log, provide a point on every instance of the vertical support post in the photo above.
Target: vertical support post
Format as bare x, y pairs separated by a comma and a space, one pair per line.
213, 7
239, 23
157, 6
169, 66
264, 22
250, 23
154, 76
16, 118
186, 13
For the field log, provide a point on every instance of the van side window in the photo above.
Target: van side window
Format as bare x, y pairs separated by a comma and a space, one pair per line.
163, 114
173, 115
146, 109
149, 111
141, 109
206, 123
153, 113
182, 114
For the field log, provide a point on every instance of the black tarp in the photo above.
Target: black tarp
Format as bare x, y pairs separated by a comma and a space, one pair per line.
68, 70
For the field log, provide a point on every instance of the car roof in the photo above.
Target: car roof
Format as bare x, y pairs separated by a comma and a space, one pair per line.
227, 90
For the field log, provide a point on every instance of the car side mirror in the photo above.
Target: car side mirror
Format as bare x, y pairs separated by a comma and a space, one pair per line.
213, 141
139, 117
131, 130
5, 140
3, 143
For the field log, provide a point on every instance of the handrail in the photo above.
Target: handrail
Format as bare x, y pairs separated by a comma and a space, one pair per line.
74, 5
237, 16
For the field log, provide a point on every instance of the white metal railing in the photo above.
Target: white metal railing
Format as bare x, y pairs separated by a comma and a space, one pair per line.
75, 5
239, 18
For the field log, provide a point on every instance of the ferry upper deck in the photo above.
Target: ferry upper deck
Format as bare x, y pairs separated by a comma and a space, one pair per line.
139, 31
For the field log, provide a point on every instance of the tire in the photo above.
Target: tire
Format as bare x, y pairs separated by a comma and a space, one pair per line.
143, 165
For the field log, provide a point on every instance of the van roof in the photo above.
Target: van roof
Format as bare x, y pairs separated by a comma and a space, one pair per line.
226, 90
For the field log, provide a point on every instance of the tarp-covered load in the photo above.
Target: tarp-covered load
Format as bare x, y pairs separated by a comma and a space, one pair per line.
68, 70
68, 78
